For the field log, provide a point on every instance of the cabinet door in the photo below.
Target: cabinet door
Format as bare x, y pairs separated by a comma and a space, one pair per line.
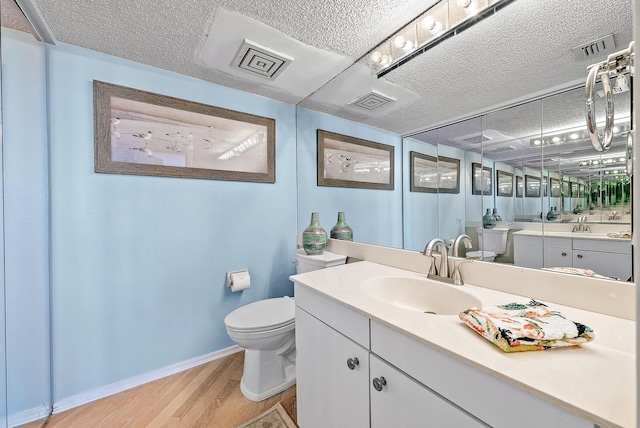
331, 390
403, 402
527, 256
616, 265
558, 257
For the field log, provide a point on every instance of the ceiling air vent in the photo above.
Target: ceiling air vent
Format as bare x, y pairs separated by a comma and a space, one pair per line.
594, 48
476, 139
260, 60
372, 101
501, 150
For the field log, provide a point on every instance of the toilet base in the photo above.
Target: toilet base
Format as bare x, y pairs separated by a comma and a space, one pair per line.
268, 372
289, 380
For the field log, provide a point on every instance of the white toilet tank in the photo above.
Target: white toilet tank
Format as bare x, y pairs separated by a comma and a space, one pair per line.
307, 263
494, 240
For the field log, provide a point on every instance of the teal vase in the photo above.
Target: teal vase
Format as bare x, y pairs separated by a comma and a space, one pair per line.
496, 215
488, 220
341, 230
314, 237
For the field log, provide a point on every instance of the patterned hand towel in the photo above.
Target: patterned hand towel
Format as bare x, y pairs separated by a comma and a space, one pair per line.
526, 327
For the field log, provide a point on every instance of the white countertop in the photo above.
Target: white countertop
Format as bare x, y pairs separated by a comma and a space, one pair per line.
569, 234
595, 381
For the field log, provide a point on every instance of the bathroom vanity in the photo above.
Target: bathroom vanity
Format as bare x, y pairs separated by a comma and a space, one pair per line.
368, 360
596, 251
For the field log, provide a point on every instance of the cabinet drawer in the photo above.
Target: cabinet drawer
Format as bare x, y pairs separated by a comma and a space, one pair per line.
605, 246
348, 322
557, 242
527, 240
496, 403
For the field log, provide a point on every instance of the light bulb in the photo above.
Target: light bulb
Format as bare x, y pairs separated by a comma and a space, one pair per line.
376, 56
574, 136
437, 28
428, 22
556, 139
463, 3
536, 142
399, 42
408, 46
386, 60
616, 129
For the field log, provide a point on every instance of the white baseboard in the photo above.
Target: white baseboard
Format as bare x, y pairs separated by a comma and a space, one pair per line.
25, 417
114, 388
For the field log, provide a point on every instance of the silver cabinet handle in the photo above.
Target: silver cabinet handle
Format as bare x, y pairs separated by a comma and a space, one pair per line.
379, 383
352, 363
579, 256
564, 254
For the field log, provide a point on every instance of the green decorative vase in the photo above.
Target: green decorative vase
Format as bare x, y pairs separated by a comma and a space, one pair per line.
314, 237
488, 220
496, 215
341, 230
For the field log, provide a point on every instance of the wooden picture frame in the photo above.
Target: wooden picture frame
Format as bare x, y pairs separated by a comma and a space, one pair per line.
532, 186
448, 175
504, 183
481, 182
519, 186
555, 188
143, 133
345, 161
424, 173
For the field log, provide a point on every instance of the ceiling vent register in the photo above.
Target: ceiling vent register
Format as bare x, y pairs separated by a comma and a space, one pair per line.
372, 101
594, 48
260, 60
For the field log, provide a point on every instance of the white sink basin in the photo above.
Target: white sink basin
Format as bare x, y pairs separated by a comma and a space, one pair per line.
422, 295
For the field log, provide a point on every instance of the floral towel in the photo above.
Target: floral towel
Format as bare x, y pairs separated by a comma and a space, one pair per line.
526, 327
577, 271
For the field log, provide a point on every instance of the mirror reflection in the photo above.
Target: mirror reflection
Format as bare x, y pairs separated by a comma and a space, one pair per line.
534, 192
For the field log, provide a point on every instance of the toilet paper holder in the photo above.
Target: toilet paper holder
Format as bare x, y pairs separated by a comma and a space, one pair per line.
242, 272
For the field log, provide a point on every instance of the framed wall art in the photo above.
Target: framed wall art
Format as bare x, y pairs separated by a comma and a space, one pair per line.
504, 183
481, 183
424, 173
532, 186
142, 133
345, 161
519, 186
448, 175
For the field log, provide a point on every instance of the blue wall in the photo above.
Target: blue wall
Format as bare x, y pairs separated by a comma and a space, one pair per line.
26, 216
138, 263
134, 266
374, 215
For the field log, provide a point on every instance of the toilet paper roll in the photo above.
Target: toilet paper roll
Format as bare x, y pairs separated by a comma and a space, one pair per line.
240, 281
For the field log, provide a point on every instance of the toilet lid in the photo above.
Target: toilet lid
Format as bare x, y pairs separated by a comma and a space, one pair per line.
262, 315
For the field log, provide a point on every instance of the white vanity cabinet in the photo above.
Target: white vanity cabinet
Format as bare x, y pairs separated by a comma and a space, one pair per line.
332, 376
399, 401
606, 257
398, 381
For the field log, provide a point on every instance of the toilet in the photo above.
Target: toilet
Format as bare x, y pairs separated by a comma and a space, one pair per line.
266, 330
492, 242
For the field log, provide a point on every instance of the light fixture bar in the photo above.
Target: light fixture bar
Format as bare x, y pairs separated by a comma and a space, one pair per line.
436, 31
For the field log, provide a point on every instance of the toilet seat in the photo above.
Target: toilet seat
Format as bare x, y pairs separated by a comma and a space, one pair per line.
484, 254
263, 315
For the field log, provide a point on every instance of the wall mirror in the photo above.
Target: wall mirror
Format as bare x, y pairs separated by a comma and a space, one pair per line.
558, 176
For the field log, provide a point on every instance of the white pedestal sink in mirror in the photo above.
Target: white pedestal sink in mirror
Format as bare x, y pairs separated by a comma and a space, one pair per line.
422, 295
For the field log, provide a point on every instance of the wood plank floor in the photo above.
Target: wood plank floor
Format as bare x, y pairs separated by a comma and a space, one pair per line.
204, 396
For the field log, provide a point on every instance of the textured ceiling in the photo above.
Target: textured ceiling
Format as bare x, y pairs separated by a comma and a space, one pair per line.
522, 50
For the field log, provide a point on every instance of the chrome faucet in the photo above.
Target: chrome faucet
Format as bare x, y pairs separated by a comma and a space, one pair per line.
581, 227
455, 249
437, 244
614, 216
